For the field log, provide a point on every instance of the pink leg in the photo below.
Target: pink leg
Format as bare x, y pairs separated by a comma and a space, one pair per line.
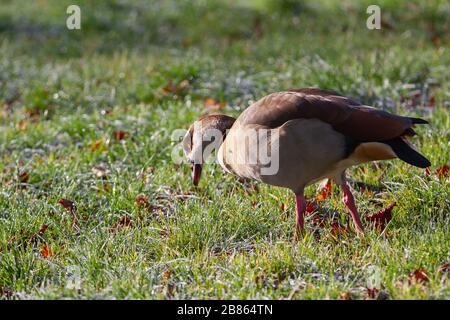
350, 203
300, 208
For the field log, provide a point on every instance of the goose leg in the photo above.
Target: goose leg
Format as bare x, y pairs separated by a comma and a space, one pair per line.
300, 208
350, 203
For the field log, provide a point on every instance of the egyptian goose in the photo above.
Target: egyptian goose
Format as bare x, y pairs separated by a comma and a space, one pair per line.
313, 134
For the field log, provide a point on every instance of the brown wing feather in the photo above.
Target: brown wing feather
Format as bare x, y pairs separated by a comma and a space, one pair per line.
347, 116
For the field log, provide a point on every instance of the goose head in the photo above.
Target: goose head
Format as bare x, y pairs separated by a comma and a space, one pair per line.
203, 137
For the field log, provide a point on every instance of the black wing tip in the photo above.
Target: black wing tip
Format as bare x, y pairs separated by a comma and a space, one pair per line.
421, 162
419, 121
408, 154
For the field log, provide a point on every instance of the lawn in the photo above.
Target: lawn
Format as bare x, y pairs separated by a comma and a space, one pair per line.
92, 204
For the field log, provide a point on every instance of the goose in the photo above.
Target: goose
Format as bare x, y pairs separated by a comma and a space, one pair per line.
309, 135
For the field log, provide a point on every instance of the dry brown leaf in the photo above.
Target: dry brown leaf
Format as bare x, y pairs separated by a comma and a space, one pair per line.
175, 88
142, 201
120, 135
381, 218
371, 293
67, 204
418, 276
124, 222
338, 229
345, 296
24, 176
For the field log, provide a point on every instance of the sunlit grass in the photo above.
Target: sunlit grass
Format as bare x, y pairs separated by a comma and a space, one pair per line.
62, 97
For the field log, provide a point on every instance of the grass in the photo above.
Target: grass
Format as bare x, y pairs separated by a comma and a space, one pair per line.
64, 94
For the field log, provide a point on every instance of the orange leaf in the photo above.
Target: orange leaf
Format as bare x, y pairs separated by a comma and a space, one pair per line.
381, 218
345, 296
166, 274
442, 171
97, 145
172, 87
212, 103
45, 251
22, 125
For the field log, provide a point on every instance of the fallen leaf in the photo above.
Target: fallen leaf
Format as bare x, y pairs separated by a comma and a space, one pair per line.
381, 218
124, 222
418, 276
166, 274
24, 176
431, 102
311, 207
22, 125
345, 296
427, 171
325, 192
120, 135
174, 88
170, 88
338, 229
67, 204
372, 293
442, 171
211, 103
97, 145
142, 201
45, 251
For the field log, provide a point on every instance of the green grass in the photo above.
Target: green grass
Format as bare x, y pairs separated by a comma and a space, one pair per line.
61, 92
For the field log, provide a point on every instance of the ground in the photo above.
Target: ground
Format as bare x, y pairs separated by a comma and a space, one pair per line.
92, 204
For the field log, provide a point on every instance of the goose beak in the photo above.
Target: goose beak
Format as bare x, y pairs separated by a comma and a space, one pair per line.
196, 173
